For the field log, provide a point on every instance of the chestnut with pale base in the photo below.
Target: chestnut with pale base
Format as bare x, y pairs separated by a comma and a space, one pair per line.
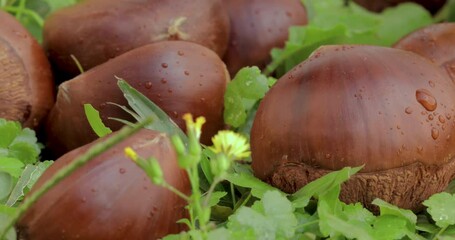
387, 109
417, 181
26, 84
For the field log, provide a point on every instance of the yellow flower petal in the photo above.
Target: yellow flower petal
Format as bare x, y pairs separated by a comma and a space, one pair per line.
130, 153
234, 145
196, 127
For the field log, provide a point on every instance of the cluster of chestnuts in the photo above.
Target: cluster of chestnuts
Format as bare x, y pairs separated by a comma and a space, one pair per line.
178, 53
390, 110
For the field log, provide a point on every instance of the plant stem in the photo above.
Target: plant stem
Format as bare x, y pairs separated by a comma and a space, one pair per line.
21, 9
242, 201
93, 152
440, 232
35, 16
195, 205
307, 224
215, 182
176, 191
234, 202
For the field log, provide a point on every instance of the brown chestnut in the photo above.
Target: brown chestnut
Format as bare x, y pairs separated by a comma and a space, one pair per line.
257, 26
180, 77
26, 92
387, 109
95, 31
110, 197
378, 5
435, 42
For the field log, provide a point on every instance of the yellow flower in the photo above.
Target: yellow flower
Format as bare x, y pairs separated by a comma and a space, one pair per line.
130, 153
234, 145
196, 127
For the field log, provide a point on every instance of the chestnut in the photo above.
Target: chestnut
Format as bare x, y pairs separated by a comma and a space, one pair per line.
257, 26
180, 77
26, 92
95, 31
435, 42
378, 5
110, 197
389, 110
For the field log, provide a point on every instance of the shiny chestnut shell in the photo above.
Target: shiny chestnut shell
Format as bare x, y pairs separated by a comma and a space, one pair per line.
435, 42
258, 26
378, 5
387, 109
95, 31
180, 77
110, 197
26, 92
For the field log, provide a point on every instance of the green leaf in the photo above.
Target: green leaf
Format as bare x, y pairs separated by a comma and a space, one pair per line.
18, 143
9, 130
331, 224
6, 184
5, 215
248, 86
258, 187
302, 42
145, 108
219, 234
215, 198
398, 21
278, 207
207, 154
322, 185
441, 207
246, 219
57, 4
11, 166
356, 212
389, 209
347, 229
329, 205
94, 119
333, 23
308, 223
29, 176
270, 218
25, 152
390, 227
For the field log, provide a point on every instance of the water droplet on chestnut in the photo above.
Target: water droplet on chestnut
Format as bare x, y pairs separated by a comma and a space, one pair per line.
441, 119
426, 99
408, 110
434, 133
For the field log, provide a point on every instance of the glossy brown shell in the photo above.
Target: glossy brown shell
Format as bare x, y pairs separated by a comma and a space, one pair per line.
26, 92
435, 42
378, 5
178, 76
95, 31
387, 109
110, 197
257, 26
